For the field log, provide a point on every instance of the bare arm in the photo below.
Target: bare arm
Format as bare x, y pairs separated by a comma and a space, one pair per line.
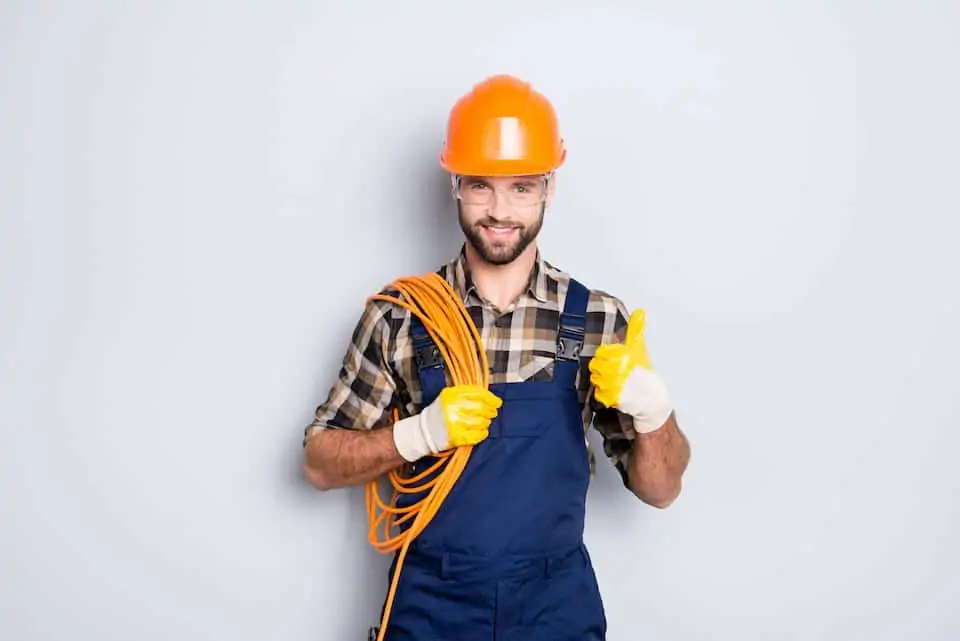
641, 435
656, 464
350, 441
335, 458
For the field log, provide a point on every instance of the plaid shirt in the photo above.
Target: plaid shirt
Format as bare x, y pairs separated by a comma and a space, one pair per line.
378, 371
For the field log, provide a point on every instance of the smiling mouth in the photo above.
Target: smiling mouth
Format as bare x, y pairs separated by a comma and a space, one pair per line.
499, 230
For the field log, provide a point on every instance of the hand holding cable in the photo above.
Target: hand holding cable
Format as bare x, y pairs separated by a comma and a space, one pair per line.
623, 378
459, 416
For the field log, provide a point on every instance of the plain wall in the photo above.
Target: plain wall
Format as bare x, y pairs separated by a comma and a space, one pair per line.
197, 197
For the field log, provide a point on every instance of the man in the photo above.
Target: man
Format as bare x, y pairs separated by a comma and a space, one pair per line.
504, 557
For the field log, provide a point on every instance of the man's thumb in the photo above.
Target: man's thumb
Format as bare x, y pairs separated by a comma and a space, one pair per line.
635, 327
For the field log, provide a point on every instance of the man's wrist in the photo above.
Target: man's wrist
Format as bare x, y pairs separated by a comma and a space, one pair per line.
645, 398
648, 423
409, 438
421, 434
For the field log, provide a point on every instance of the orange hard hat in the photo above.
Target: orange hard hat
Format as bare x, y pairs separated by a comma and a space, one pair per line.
502, 127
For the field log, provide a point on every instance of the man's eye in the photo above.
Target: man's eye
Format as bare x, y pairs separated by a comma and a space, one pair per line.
476, 186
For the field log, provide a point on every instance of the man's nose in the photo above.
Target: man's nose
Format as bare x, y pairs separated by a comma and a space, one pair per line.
499, 207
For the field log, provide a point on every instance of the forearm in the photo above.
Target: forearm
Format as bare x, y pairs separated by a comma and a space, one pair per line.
657, 462
339, 458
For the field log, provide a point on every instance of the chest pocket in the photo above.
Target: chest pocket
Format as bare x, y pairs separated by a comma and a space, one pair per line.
526, 417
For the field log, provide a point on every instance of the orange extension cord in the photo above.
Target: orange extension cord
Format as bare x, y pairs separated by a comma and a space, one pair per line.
447, 321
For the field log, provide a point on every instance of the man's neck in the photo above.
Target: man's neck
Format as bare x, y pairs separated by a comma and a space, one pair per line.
501, 285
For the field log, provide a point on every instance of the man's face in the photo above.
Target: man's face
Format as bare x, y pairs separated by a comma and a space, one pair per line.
501, 215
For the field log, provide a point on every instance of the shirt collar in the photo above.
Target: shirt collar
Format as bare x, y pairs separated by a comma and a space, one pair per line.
539, 285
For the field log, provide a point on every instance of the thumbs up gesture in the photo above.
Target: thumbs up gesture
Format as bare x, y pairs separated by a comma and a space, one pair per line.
623, 378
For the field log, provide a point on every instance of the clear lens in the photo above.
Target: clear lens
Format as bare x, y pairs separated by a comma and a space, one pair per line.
521, 191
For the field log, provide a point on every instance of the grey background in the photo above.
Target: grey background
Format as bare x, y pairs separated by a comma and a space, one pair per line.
197, 197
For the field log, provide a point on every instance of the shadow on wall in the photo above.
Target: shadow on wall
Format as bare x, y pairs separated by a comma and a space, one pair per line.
427, 233
442, 213
607, 493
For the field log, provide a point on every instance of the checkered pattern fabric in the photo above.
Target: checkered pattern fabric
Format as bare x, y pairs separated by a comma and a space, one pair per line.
378, 371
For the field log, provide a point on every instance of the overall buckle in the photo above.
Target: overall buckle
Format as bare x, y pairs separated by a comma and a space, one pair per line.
570, 342
427, 357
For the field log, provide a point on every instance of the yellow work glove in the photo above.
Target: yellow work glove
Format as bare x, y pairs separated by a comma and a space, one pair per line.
623, 378
460, 415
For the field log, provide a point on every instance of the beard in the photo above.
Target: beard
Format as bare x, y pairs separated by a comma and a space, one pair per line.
500, 252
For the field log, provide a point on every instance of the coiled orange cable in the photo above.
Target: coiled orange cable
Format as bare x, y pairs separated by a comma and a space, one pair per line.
434, 302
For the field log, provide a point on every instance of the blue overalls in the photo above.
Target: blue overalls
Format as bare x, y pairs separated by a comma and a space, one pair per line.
504, 559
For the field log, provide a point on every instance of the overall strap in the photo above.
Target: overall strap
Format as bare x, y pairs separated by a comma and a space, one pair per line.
427, 361
573, 322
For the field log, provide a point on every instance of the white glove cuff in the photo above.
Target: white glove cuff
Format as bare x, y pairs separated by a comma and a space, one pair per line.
422, 434
644, 396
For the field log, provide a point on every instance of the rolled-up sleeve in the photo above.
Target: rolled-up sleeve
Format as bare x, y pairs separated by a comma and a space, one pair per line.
365, 389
